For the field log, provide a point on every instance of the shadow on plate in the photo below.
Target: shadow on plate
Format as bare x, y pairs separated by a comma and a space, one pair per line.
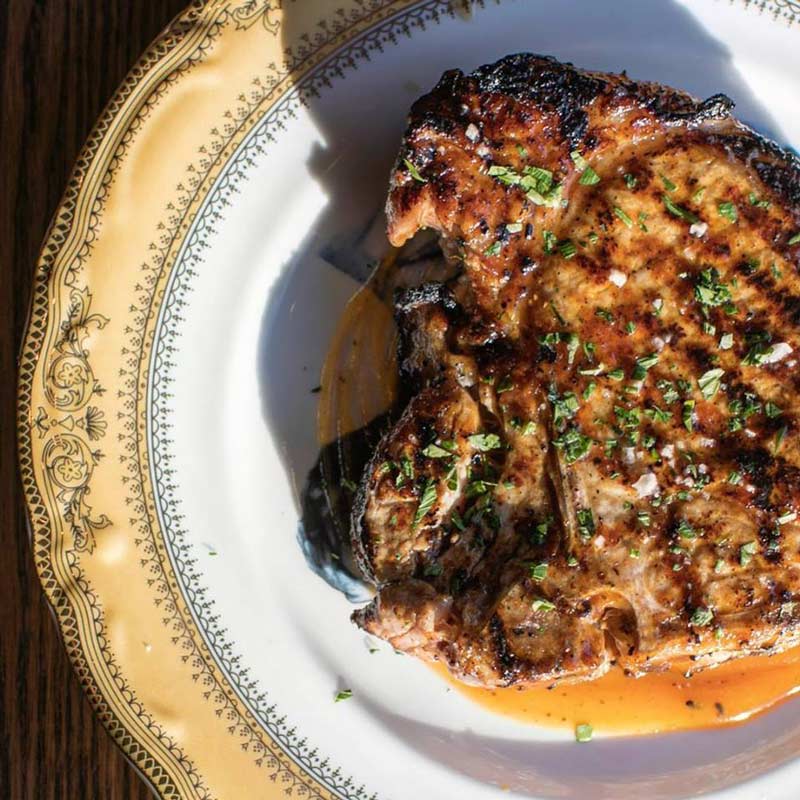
622, 768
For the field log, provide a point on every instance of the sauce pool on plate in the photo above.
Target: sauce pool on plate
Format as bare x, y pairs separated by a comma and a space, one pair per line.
658, 702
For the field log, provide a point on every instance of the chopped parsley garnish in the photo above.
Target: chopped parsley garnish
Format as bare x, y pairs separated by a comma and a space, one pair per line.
779, 437
726, 341
456, 519
679, 211
505, 385
564, 407
709, 291
634, 552
344, 694
686, 415
701, 617
630, 180
757, 354
657, 414
644, 364
628, 417
583, 732
478, 487
754, 201
538, 571
685, 530
574, 444
589, 390
540, 604
550, 339
709, 382
536, 182
746, 553
745, 406
578, 160
604, 314
668, 184
406, 471
620, 214
588, 176
413, 171
573, 343
567, 249
586, 526
439, 450
668, 391
742, 408
540, 531
728, 210
426, 503
525, 428
630, 327
493, 249
483, 442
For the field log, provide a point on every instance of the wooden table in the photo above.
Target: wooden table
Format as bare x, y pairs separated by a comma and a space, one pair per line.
61, 61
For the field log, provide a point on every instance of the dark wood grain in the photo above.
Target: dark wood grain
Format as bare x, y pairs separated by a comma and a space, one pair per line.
61, 61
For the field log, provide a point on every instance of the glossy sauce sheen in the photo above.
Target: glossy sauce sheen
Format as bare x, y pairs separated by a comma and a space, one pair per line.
355, 387
665, 701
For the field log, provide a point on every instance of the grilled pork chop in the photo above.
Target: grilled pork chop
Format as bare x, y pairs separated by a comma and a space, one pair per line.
599, 462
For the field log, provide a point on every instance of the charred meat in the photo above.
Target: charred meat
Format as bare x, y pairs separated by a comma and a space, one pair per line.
600, 460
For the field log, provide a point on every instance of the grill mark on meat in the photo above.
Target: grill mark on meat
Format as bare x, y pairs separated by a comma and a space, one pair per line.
507, 662
545, 82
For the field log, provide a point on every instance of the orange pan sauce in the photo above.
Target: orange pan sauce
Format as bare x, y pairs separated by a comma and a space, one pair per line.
663, 701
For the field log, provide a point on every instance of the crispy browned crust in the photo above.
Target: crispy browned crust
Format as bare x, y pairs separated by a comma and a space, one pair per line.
670, 532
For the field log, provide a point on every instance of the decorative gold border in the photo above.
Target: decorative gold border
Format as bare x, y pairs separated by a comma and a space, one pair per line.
70, 427
58, 427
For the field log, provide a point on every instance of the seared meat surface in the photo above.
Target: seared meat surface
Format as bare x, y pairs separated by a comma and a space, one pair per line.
599, 462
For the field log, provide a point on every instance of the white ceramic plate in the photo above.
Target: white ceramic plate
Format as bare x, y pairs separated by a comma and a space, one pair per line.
256, 268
